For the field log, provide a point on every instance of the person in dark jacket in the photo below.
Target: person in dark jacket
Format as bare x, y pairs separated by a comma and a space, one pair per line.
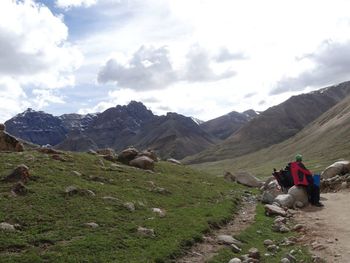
303, 177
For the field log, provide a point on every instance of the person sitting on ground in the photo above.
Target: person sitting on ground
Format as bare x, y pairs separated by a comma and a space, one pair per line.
303, 177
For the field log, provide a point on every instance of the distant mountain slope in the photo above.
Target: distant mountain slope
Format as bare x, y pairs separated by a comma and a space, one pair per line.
322, 142
276, 124
223, 126
174, 135
37, 127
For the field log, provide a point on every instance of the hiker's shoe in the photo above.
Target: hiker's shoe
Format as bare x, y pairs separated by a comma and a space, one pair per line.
319, 204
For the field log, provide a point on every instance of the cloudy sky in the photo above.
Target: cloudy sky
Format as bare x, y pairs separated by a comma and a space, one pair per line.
201, 58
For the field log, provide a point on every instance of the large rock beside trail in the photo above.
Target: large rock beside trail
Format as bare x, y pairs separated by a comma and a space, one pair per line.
247, 179
150, 154
337, 168
285, 200
8, 142
143, 162
299, 194
274, 210
128, 155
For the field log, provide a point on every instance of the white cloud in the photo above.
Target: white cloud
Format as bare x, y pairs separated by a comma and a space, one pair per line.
34, 51
331, 62
12, 98
75, 3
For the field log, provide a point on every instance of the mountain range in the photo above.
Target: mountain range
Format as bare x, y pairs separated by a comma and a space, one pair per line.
173, 135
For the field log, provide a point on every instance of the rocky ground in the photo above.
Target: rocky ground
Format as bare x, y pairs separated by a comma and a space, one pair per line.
327, 231
212, 243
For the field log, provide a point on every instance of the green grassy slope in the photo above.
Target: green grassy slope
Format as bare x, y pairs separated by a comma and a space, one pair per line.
52, 223
322, 142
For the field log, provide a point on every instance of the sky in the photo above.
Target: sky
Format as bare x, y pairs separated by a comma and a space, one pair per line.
200, 58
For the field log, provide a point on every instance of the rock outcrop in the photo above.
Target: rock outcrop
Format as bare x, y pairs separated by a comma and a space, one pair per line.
8, 142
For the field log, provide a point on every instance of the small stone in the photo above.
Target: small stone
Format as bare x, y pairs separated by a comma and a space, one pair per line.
235, 260
254, 253
268, 242
284, 229
274, 210
92, 225
235, 248
272, 248
71, 190
160, 212
147, 232
90, 192
280, 220
299, 204
110, 198
298, 227
76, 173
290, 257
129, 206
344, 185
7, 227
285, 260
228, 240
19, 189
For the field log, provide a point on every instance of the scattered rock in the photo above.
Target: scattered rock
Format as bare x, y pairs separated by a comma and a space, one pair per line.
110, 198
72, 190
174, 161
92, 225
7, 227
9, 142
143, 162
228, 240
280, 220
272, 248
298, 204
235, 248
160, 190
19, 189
160, 212
299, 194
58, 157
92, 152
254, 253
247, 179
285, 200
268, 242
147, 232
76, 173
291, 258
235, 260
285, 260
106, 151
47, 150
129, 206
20, 173
274, 210
298, 227
344, 185
127, 155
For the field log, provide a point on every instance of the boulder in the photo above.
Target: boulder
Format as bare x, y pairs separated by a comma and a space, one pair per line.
275, 210
337, 168
174, 161
229, 177
143, 162
299, 194
267, 197
20, 173
247, 179
127, 155
285, 200
106, 151
150, 154
9, 142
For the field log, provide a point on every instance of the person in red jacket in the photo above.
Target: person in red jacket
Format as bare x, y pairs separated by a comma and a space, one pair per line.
303, 177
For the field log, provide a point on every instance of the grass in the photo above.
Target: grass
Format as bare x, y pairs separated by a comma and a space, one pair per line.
255, 235
52, 223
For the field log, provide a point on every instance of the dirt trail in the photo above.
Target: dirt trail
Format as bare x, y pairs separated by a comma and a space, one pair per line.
328, 228
202, 252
